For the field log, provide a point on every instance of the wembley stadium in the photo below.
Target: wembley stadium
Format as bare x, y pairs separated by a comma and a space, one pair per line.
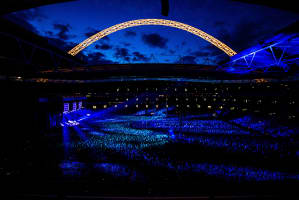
162, 99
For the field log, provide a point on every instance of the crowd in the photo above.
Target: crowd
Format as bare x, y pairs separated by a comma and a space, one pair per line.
119, 144
266, 126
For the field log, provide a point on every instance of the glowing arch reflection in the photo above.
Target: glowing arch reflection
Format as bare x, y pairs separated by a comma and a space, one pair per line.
162, 22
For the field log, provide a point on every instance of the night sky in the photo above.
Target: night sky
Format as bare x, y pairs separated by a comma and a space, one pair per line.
236, 24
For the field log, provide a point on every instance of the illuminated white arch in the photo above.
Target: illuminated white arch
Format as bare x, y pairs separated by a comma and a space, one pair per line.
162, 22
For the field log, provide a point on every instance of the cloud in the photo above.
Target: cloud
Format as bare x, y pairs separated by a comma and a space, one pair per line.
59, 38
171, 51
155, 40
209, 55
122, 53
187, 60
97, 58
140, 57
30, 14
126, 44
92, 31
91, 58
24, 18
219, 23
63, 31
213, 50
106, 38
96, 55
49, 33
60, 43
130, 34
201, 53
243, 35
103, 46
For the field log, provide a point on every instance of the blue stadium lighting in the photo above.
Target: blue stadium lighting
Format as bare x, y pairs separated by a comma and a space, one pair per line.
120, 142
72, 168
116, 170
227, 67
74, 106
66, 140
132, 135
261, 126
80, 133
274, 52
65, 107
79, 105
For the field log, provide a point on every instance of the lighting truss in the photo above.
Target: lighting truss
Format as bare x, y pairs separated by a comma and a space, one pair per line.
162, 22
264, 56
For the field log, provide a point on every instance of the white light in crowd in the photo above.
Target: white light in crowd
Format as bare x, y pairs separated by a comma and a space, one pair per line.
79, 104
66, 107
74, 106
